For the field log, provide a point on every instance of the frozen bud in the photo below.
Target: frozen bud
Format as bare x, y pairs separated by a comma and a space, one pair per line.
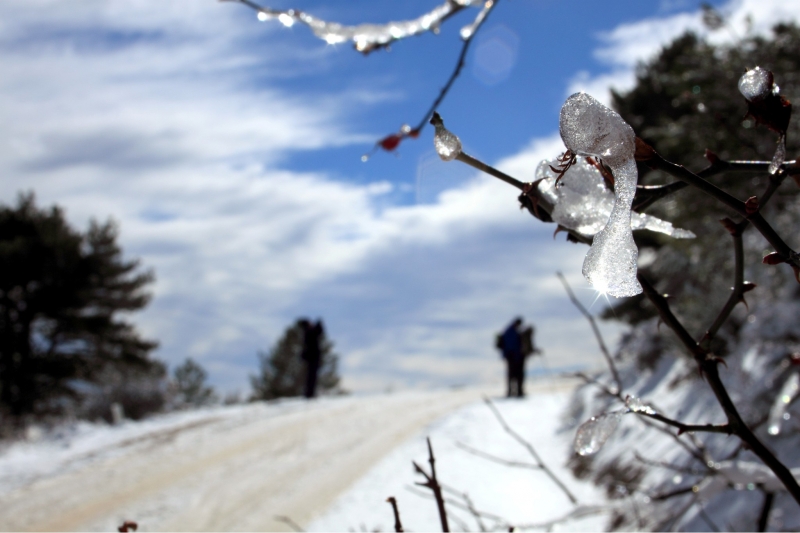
588, 127
638, 406
447, 144
594, 433
756, 84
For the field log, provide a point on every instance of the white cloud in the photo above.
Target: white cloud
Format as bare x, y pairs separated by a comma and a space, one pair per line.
150, 112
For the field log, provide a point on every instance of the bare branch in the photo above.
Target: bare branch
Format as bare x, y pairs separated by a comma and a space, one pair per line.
688, 428
398, 525
433, 484
531, 450
495, 459
597, 334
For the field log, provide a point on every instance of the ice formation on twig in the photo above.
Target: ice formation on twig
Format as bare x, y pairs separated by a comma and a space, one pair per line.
589, 128
740, 475
593, 434
636, 405
779, 410
763, 96
583, 203
447, 143
368, 37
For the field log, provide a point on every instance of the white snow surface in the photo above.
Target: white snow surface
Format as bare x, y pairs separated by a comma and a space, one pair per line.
96, 465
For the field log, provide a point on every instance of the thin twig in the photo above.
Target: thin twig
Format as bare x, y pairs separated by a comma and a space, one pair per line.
495, 459
289, 522
668, 466
398, 525
763, 517
688, 428
433, 484
531, 450
609, 361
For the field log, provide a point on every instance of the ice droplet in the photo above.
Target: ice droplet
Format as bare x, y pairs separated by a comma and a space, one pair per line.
638, 406
583, 203
788, 392
780, 155
756, 84
595, 432
588, 127
447, 144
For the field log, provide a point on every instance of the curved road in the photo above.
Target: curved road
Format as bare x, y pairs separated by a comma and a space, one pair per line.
227, 472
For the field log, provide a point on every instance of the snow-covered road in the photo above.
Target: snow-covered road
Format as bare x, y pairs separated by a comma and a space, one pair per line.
222, 469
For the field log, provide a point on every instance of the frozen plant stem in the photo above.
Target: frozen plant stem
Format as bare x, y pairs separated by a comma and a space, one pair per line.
398, 525
710, 370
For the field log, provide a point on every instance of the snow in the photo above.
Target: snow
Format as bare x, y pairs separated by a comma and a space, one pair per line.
583, 203
588, 127
518, 495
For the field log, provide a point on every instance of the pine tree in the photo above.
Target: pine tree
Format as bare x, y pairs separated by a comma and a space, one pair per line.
61, 293
189, 380
282, 371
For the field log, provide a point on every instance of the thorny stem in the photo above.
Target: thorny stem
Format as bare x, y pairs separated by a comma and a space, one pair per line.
737, 291
531, 450
759, 222
398, 525
596, 331
432, 483
686, 428
647, 195
710, 370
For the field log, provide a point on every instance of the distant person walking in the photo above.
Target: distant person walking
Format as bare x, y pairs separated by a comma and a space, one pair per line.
516, 344
311, 354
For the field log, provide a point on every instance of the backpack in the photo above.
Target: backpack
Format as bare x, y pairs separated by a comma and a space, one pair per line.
498, 341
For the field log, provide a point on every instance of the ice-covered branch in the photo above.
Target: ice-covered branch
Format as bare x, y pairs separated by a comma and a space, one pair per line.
495, 459
709, 367
369, 37
687, 428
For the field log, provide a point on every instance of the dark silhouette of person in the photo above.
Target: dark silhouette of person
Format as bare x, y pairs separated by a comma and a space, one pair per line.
516, 345
311, 354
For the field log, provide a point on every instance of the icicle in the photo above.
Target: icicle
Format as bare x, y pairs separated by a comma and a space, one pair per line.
589, 128
447, 143
595, 432
780, 155
756, 84
636, 405
583, 203
778, 411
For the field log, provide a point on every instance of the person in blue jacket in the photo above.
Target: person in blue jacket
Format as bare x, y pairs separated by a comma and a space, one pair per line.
511, 346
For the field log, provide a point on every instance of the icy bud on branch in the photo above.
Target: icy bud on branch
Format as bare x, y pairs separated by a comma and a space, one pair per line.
589, 128
768, 107
583, 203
447, 143
593, 434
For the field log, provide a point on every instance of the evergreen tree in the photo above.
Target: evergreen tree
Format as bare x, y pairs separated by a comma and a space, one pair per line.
282, 372
61, 293
686, 100
189, 380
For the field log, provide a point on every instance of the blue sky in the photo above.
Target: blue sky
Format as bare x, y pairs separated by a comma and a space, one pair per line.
229, 152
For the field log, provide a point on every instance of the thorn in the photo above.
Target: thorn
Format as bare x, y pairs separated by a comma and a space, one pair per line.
775, 259
658, 325
748, 286
712, 157
717, 359
680, 431
751, 205
559, 229
745, 303
730, 225
644, 152
796, 273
